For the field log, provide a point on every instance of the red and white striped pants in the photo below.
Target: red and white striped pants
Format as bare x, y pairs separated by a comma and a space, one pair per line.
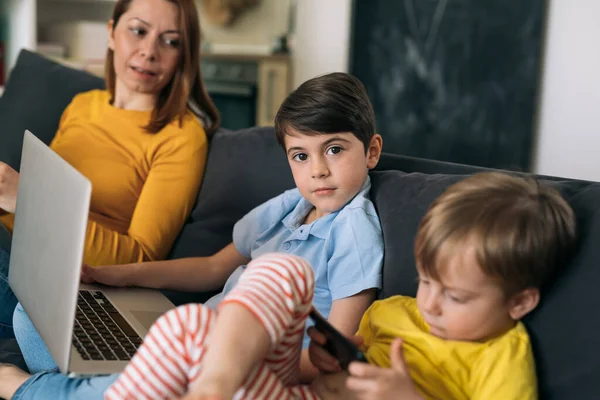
277, 289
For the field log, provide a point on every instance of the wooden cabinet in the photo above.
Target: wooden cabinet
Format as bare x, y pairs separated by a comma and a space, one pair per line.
273, 87
246, 88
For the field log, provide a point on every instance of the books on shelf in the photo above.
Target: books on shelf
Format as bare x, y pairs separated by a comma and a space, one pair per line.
52, 50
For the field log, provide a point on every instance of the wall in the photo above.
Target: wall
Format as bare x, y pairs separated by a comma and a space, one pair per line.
569, 129
21, 30
568, 135
322, 41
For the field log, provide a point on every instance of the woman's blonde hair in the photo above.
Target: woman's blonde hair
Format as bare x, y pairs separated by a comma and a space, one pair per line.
186, 85
523, 231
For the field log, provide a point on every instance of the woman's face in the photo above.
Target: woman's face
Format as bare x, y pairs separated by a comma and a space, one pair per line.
146, 46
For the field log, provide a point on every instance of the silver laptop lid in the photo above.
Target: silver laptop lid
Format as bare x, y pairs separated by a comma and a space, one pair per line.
47, 246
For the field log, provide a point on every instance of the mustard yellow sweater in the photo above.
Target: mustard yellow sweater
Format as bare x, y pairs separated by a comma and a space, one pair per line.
143, 185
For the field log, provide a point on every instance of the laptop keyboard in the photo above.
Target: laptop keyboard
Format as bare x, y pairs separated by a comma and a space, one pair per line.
101, 332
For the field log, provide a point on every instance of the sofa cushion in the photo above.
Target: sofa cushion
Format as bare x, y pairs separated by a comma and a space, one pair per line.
36, 95
245, 168
11, 354
401, 200
564, 328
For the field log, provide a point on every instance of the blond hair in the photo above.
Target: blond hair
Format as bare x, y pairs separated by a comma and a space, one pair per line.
523, 231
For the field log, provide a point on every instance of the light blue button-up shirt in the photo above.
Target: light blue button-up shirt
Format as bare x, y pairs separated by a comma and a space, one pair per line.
345, 248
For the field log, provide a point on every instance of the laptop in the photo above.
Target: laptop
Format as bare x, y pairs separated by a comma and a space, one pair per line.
88, 329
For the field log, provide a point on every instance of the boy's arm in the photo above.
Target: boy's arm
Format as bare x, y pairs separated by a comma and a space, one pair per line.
186, 274
199, 273
353, 273
346, 313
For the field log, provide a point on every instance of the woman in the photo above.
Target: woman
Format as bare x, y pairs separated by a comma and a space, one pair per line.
139, 142
142, 130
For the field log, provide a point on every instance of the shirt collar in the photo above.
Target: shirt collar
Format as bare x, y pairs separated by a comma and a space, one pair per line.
320, 227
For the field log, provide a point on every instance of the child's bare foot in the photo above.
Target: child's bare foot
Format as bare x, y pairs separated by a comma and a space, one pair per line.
11, 378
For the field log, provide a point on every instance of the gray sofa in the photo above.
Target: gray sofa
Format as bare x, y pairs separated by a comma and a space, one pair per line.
247, 167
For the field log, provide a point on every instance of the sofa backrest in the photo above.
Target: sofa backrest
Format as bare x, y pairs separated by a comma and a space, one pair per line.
244, 169
36, 94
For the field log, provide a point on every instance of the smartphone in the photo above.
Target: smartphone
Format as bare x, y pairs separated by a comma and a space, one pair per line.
337, 344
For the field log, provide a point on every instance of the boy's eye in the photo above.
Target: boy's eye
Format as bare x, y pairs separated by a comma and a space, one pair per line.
456, 299
334, 150
300, 157
423, 281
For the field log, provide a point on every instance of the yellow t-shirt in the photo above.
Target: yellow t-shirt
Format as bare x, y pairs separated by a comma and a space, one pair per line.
143, 184
502, 368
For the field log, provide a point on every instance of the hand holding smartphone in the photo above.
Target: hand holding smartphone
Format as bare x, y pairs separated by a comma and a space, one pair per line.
337, 344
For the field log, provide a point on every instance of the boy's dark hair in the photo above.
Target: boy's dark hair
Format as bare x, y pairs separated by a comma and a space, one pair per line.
523, 231
332, 103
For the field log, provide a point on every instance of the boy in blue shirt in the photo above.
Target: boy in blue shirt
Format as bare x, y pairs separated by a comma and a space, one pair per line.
327, 129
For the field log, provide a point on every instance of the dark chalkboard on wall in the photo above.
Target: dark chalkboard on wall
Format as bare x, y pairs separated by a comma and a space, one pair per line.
452, 80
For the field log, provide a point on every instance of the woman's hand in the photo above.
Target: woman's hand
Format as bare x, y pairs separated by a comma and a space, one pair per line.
9, 183
110, 275
320, 357
370, 382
